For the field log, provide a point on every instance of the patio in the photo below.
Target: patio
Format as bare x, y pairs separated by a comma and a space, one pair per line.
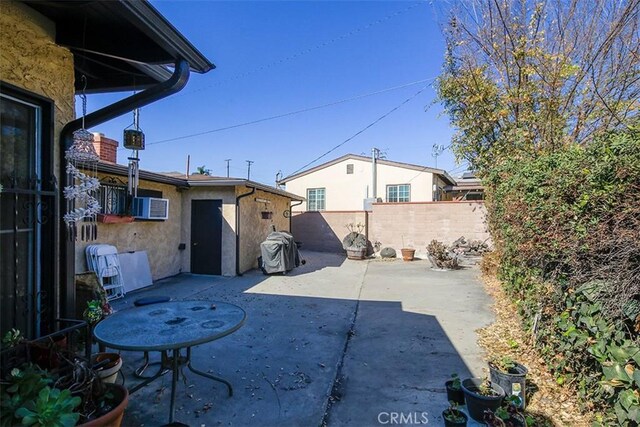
335, 341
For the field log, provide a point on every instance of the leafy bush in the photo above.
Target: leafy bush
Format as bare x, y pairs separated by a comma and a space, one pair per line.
567, 228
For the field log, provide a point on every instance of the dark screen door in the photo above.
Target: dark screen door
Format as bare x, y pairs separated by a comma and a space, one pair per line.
206, 237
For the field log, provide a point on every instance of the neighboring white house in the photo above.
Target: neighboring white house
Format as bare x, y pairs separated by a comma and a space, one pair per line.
345, 183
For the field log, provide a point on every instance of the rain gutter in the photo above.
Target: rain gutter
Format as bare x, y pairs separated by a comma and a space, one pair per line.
174, 84
291, 213
241, 196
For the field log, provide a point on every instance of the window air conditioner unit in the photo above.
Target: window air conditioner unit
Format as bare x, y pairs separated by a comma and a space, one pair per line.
150, 208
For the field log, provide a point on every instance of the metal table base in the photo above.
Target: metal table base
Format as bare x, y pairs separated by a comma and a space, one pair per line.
173, 364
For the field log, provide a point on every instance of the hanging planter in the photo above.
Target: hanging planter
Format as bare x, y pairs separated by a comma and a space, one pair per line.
115, 219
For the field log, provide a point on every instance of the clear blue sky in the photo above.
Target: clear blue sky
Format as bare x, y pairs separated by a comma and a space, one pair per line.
277, 57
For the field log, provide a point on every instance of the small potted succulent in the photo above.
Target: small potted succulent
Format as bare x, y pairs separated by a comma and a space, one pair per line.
454, 390
69, 394
453, 417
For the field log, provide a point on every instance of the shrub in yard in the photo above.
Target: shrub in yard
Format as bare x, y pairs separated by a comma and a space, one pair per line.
567, 226
440, 255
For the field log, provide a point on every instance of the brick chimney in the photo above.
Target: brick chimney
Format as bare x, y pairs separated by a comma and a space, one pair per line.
105, 147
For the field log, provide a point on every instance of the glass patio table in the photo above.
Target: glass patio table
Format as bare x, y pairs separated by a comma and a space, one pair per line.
169, 327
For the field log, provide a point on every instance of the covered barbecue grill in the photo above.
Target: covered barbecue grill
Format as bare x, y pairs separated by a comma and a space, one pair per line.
279, 253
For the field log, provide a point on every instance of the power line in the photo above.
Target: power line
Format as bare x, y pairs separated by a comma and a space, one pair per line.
291, 113
362, 130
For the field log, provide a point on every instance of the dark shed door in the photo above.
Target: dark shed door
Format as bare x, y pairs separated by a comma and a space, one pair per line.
206, 237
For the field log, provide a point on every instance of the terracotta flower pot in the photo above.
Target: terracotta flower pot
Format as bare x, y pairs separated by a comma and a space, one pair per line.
408, 253
109, 372
114, 417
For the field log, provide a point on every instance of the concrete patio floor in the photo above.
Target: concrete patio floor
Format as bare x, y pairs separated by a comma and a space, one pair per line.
341, 342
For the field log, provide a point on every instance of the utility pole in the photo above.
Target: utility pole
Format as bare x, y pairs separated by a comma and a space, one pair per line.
375, 153
249, 162
436, 150
228, 161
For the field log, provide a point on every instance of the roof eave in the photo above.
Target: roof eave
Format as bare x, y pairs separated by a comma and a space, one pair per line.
166, 34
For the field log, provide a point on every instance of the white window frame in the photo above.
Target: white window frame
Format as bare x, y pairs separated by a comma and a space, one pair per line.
397, 191
313, 202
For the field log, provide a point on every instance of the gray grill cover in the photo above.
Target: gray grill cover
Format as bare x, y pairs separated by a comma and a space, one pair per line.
279, 253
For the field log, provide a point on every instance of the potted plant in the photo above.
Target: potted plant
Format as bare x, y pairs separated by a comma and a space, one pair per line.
453, 416
440, 257
508, 415
454, 390
407, 252
511, 376
480, 395
64, 396
355, 243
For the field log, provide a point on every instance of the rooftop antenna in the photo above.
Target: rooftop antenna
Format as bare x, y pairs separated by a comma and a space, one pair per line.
249, 162
278, 178
436, 150
228, 161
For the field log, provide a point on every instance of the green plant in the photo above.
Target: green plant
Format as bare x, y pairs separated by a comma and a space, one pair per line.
453, 414
21, 387
504, 363
52, 408
456, 384
93, 313
12, 338
31, 395
485, 388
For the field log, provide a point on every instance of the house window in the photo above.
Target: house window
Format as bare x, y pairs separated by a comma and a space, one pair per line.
315, 199
399, 193
350, 169
114, 198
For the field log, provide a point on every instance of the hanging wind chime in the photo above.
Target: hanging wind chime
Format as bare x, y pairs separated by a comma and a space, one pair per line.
82, 163
134, 140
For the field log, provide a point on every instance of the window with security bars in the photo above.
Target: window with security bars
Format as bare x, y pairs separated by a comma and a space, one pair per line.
399, 193
315, 199
114, 198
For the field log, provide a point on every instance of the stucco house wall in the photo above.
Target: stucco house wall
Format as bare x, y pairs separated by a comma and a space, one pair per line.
159, 238
29, 58
345, 192
253, 228
228, 197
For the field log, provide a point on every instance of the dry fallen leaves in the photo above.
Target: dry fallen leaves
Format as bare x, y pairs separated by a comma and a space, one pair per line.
551, 404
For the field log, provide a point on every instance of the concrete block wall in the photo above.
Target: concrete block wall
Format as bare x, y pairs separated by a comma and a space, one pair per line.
414, 225
395, 225
324, 231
